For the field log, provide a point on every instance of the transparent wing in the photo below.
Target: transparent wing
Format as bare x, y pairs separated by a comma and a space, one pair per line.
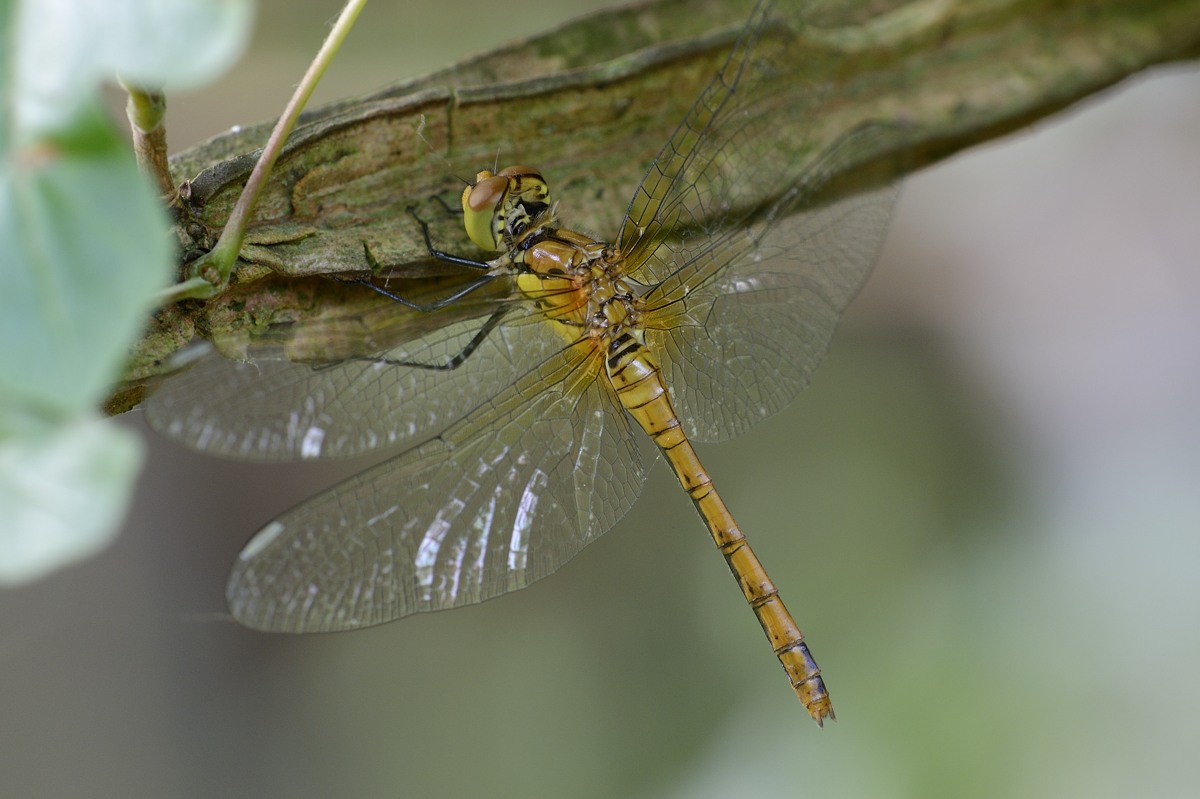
746, 323
271, 407
501, 499
728, 145
748, 269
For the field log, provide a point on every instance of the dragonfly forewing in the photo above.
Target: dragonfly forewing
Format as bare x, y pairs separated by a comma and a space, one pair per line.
268, 407
749, 318
745, 293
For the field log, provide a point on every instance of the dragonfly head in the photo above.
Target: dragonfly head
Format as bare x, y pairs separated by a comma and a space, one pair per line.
497, 207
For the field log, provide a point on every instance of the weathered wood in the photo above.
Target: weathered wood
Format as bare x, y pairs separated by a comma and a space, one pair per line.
592, 102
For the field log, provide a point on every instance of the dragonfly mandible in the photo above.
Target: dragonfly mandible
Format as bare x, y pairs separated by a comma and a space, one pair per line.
517, 404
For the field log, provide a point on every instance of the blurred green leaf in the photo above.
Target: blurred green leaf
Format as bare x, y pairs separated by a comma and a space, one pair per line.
85, 246
64, 489
67, 47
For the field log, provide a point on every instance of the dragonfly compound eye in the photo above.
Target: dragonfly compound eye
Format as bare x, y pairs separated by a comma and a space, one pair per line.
483, 210
498, 207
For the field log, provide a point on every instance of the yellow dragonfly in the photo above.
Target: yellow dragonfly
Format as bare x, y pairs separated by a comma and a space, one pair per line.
517, 404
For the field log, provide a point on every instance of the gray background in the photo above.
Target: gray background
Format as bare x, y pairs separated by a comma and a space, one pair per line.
982, 513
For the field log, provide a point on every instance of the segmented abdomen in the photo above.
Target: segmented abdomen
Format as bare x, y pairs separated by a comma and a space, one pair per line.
637, 380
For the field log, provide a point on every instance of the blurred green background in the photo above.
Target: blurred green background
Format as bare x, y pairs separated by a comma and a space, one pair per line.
983, 513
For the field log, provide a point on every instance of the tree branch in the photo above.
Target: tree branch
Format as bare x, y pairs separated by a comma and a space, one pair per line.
592, 102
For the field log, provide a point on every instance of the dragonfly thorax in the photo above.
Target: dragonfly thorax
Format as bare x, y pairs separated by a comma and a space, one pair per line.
572, 277
576, 280
614, 308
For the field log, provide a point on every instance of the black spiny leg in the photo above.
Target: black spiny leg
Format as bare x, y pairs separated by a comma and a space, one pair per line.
442, 255
436, 254
454, 361
417, 306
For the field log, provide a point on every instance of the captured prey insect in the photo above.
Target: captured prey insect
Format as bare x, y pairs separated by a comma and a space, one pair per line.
706, 314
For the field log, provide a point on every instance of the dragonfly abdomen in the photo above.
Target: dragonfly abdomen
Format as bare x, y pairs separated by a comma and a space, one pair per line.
637, 380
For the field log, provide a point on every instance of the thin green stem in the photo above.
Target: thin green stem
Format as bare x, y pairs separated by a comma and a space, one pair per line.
146, 110
194, 288
216, 265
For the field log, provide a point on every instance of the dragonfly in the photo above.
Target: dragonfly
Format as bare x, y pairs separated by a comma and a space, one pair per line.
528, 408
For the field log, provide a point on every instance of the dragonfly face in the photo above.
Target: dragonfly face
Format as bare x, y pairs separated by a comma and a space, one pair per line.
707, 313
497, 206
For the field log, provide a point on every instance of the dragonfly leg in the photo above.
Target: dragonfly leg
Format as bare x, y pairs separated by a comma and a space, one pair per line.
418, 306
452, 210
454, 361
442, 255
